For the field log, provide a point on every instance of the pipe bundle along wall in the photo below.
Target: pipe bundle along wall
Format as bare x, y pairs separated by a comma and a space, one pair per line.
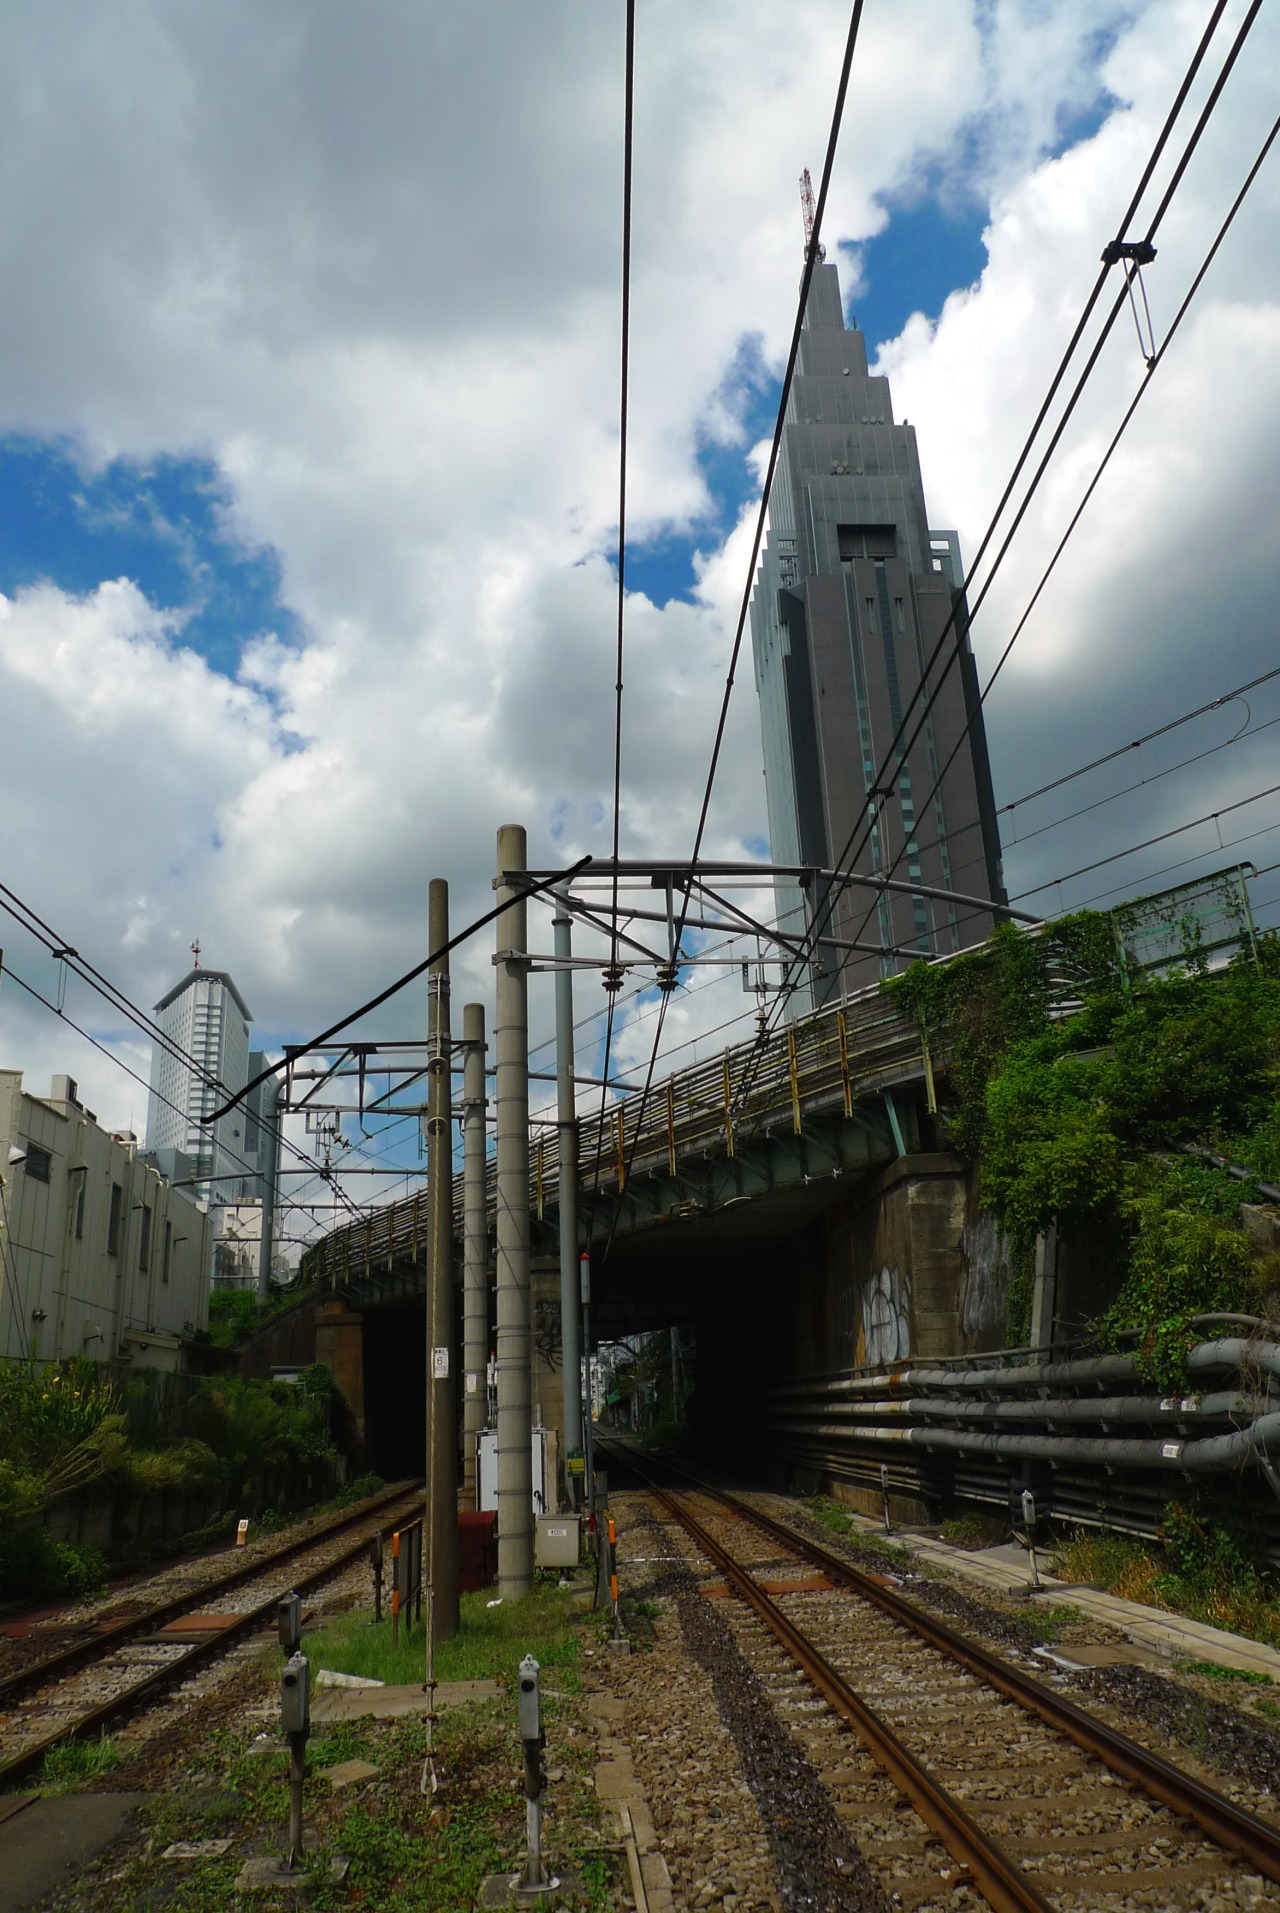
871, 1408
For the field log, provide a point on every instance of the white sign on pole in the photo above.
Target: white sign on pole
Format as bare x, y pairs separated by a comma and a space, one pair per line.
440, 1364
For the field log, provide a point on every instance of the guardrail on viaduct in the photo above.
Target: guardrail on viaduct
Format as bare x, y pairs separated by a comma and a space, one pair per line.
822, 1067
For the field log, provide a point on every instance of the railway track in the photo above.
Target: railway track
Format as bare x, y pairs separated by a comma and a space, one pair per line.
1026, 1800
92, 1683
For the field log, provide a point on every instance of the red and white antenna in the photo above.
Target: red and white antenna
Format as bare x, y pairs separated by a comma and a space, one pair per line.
195, 951
809, 212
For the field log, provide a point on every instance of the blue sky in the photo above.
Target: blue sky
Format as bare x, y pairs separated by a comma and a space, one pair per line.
926, 251
162, 525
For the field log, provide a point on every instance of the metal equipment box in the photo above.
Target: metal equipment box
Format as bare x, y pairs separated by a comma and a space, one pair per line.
555, 1541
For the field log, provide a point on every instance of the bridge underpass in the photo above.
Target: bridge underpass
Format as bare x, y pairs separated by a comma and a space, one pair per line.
691, 1201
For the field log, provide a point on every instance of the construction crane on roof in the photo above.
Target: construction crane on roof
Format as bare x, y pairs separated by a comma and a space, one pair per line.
809, 212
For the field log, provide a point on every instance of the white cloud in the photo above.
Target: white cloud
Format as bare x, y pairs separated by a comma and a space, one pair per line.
368, 266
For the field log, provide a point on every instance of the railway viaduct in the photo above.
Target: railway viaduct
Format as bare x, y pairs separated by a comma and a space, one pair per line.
788, 1200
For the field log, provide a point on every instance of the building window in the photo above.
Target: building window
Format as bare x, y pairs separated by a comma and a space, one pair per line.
144, 1240
38, 1162
168, 1252
113, 1219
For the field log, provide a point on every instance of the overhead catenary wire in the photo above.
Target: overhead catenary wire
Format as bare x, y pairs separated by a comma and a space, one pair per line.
850, 851
36, 927
1152, 367
1023, 457
628, 130
285, 1203
813, 251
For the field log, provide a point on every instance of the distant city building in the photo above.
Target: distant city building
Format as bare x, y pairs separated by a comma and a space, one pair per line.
99, 1254
204, 1018
853, 592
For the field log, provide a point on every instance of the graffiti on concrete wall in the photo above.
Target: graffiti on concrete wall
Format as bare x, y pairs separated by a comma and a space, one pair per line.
886, 1315
986, 1289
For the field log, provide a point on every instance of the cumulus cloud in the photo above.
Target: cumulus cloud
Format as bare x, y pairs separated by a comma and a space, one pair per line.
367, 266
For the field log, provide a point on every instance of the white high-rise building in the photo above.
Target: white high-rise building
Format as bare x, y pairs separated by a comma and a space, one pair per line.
205, 1018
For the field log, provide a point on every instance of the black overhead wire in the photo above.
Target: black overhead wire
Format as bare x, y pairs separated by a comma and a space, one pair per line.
34, 924
811, 256
521, 895
898, 751
1152, 366
284, 1203
1210, 817
614, 977
1125, 791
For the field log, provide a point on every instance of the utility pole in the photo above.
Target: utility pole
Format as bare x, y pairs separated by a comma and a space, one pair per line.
567, 1133
442, 1456
269, 1125
475, 1239
511, 1055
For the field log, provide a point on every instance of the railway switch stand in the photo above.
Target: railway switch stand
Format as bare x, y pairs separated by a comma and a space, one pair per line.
295, 1718
1029, 1524
289, 1623
533, 1739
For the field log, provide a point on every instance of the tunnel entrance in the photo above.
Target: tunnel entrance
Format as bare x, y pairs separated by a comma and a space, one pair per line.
395, 1388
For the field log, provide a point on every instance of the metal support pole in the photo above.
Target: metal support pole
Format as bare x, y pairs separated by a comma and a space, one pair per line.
511, 1049
269, 1120
584, 1281
475, 1251
297, 1775
567, 1132
442, 1440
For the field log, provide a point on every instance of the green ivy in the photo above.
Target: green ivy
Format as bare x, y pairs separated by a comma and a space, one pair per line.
1072, 1076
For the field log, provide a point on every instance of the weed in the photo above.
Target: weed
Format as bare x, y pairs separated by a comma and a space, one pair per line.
1270, 1708
974, 1531
66, 1767
1046, 1624
1214, 1671
490, 1643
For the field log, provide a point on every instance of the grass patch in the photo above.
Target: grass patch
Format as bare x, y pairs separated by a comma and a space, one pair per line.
974, 1531
490, 1643
408, 1854
1047, 1624
67, 1767
1229, 1592
1214, 1671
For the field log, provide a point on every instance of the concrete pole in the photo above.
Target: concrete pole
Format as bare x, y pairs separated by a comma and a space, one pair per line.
269, 1121
475, 1253
567, 1131
442, 1442
511, 1047
1044, 1291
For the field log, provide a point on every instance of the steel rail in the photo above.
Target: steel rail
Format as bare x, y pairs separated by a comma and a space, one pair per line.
98, 1718
999, 1879
1235, 1829
99, 1645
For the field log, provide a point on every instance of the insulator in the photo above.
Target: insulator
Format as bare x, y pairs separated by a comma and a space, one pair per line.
611, 976
667, 975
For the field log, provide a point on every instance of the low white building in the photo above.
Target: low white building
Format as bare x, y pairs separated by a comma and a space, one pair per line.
99, 1254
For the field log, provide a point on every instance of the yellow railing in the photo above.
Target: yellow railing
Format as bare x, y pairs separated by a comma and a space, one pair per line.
815, 1067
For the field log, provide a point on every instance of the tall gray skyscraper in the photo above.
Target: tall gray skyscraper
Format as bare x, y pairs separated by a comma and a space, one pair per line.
205, 1017
853, 592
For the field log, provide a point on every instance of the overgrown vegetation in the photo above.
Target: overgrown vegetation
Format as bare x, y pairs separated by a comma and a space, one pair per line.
1075, 1080
411, 1849
1209, 1564
493, 1637
64, 1431
67, 1767
235, 1313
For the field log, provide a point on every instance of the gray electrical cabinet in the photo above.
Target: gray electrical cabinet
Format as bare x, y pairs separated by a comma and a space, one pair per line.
555, 1541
